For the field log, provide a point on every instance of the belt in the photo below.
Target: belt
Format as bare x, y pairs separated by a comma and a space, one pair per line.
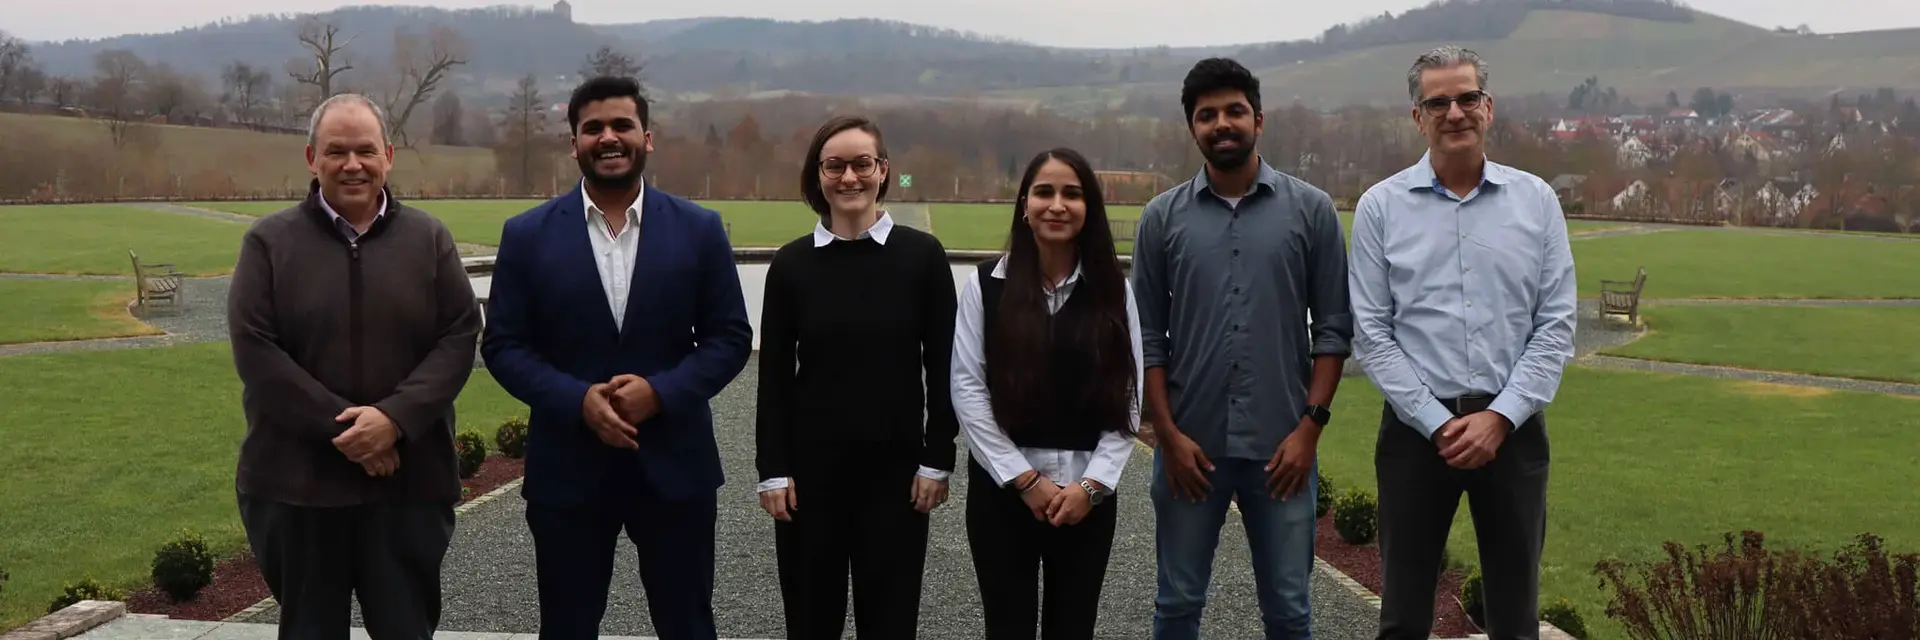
1464, 405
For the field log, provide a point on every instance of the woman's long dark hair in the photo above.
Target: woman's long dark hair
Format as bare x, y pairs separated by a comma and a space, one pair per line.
1019, 352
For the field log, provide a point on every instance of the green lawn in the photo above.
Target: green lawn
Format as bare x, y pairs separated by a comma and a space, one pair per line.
1640, 459
94, 239
1723, 264
99, 475
47, 310
1835, 341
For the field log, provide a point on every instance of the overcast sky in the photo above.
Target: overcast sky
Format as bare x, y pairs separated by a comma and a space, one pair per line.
1123, 23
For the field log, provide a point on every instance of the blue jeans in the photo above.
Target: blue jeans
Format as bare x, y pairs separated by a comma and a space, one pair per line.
1280, 535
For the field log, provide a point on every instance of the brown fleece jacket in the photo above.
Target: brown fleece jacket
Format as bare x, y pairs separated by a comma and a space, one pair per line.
319, 324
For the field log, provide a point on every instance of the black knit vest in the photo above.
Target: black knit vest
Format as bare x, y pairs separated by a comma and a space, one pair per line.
1066, 424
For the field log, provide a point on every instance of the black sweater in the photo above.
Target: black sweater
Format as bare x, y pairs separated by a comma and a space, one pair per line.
855, 342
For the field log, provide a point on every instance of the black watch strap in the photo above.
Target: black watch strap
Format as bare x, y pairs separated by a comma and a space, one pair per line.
1320, 414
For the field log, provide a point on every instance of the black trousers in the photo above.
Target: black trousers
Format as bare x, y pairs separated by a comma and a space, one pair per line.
1009, 548
855, 519
316, 560
1419, 494
573, 562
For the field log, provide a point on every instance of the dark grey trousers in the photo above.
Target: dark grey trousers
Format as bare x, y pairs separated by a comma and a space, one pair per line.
1419, 495
316, 560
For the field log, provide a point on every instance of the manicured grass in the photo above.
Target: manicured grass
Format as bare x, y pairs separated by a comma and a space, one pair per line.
1727, 264
1855, 342
1640, 459
112, 453
47, 310
94, 239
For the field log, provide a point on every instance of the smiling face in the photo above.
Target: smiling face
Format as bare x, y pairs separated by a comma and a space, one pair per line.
350, 157
1056, 204
1226, 128
610, 145
851, 172
1459, 127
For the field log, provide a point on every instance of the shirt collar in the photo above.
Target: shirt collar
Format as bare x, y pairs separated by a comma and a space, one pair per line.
1000, 271
342, 220
879, 231
633, 210
1423, 176
1268, 176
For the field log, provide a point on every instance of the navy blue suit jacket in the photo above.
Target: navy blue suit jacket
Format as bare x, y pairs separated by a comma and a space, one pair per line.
550, 335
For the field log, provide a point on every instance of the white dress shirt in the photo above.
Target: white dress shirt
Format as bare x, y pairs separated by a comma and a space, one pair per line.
822, 237
991, 446
614, 254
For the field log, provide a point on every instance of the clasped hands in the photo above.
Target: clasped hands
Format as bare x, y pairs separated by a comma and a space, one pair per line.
782, 503
1053, 504
1471, 441
369, 440
613, 408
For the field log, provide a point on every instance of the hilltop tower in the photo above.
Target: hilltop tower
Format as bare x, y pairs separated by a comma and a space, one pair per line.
564, 10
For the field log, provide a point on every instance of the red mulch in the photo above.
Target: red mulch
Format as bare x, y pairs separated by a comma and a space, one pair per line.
237, 583
1362, 563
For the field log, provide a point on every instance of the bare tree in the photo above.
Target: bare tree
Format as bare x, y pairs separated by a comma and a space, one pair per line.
448, 123
116, 95
523, 125
15, 58
324, 59
608, 61
170, 94
27, 85
63, 90
420, 68
246, 90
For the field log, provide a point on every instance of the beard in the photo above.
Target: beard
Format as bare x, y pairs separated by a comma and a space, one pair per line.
1227, 159
636, 164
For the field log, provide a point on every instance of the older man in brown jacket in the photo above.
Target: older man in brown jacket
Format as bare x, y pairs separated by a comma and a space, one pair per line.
353, 328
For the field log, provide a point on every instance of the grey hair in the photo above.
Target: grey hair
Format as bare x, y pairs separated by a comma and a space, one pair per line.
1444, 57
313, 124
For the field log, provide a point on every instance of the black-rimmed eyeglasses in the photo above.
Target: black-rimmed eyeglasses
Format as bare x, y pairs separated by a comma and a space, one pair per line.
863, 166
1439, 105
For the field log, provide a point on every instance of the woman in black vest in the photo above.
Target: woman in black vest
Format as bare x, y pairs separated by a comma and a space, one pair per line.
1046, 383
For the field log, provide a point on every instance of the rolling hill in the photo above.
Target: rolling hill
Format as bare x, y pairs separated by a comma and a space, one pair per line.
1643, 48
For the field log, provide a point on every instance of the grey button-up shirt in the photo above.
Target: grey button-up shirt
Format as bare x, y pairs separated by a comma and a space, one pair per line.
1225, 292
1461, 296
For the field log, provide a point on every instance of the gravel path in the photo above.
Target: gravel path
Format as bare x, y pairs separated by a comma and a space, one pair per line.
201, 318
918, 216
168, 207
1733, 373
64, 276
490, 586
1635, 230
1783, 302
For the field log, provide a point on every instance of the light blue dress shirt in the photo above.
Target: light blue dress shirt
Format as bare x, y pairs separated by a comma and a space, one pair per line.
1458, 297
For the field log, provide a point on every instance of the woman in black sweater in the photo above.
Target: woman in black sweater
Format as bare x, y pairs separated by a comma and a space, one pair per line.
856, 332
1046, 382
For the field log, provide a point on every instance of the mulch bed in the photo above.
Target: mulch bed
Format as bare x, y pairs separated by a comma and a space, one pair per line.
1362, 563
237, 583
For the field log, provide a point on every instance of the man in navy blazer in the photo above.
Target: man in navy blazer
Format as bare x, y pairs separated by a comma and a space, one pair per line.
616, 315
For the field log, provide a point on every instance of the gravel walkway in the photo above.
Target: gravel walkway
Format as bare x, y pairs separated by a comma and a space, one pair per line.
490, 586
1635, 230
918, 216
201, 318
1783, 302
1733, 373
168, 207
64, 276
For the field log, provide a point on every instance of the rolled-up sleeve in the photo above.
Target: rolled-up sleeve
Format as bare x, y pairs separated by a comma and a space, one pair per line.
1328, 297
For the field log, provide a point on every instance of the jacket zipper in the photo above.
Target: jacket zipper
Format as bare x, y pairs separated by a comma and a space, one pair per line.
355, 323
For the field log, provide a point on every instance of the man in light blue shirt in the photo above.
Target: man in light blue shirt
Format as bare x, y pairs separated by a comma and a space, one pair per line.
1463, 293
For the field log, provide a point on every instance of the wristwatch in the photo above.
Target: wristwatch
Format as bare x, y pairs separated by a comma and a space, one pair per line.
1095, 494
1320, 414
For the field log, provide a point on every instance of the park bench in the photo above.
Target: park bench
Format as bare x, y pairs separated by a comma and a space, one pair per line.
1621, 297
1123, 230
155, 282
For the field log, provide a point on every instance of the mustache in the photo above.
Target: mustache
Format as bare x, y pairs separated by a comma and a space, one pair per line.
1227, 136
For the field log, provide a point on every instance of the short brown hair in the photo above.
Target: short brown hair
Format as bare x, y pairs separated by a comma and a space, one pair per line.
810, 169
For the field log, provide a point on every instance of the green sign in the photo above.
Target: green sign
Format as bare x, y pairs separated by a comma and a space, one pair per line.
906, 180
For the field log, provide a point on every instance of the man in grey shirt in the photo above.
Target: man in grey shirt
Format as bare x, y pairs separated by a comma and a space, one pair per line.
1463, 299
1226, 269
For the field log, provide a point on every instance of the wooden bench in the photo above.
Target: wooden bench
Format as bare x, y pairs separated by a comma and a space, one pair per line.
155, 282
1123, 230
1620, 297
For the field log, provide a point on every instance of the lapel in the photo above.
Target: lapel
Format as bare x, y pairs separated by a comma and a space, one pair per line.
657, 233
578, 251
